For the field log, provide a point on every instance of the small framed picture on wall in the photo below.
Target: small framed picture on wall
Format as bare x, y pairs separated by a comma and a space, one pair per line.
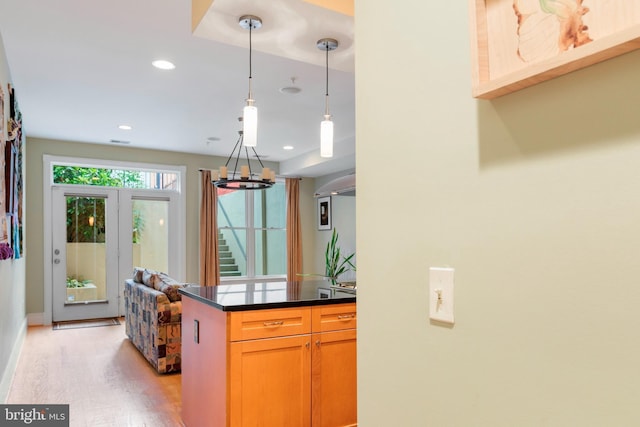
324, 213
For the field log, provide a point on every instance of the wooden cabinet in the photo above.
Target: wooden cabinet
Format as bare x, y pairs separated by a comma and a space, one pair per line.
334, 366
280, 367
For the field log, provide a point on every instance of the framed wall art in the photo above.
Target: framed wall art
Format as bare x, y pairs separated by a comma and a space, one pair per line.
324, 213
4, 230
519, 43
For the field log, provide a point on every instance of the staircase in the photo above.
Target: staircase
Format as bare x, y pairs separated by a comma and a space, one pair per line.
228, 266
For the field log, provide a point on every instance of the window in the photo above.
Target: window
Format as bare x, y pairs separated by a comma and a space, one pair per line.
121, 178
252, 233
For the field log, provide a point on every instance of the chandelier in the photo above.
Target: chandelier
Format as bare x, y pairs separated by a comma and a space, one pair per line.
242, 175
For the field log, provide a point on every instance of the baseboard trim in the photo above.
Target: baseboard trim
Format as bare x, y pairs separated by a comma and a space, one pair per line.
10, 369
35, 319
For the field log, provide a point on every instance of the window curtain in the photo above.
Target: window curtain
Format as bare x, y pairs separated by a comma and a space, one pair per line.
209, 264
294, 229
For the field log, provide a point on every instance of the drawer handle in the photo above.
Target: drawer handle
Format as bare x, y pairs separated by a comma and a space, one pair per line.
276, 323
346, 316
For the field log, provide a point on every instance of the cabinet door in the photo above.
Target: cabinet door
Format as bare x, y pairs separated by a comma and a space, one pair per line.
270, 382
334, 379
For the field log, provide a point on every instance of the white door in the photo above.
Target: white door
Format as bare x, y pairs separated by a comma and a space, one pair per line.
85, 253
149, 235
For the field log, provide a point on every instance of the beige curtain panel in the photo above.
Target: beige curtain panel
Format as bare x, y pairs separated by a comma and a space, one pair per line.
209, 264
294, 229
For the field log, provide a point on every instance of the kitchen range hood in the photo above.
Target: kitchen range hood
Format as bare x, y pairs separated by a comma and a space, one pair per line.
343, 186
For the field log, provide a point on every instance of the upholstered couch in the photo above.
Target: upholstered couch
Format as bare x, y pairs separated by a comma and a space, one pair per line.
153, 312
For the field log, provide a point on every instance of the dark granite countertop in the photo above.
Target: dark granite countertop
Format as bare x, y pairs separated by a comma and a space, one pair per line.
258, 296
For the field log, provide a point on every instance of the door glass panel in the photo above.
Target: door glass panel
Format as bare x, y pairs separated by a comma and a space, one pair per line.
150, 236
86, 255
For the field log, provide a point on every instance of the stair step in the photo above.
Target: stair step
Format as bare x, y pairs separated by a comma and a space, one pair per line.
223, 248
228, 267
229, 273
225, 254
222, 242
227, 261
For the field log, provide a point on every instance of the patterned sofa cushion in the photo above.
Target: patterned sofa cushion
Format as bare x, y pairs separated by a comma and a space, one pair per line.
159, 281
137, 274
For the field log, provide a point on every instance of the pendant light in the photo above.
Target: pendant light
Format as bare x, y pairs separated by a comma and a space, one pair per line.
238, 173
250, 112
326, 126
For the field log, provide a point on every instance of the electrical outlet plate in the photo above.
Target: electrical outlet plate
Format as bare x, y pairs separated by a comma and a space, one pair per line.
441, 294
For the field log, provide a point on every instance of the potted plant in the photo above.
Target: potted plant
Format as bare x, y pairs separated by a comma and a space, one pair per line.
80, 290
75, 283
335, 263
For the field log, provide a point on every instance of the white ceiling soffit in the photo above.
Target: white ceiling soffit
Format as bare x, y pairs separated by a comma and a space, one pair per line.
343, 186
290, 28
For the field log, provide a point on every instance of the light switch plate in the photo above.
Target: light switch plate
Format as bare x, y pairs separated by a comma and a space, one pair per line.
441, 294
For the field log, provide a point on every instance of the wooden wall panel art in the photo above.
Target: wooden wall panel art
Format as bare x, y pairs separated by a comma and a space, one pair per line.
518, 43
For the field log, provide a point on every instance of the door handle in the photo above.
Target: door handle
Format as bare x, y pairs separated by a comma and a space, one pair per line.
56, 261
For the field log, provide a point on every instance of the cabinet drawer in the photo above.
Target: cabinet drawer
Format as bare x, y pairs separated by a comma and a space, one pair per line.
257, 324
336, 317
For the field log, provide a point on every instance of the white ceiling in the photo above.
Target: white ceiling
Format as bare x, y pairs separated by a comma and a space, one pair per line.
81, 68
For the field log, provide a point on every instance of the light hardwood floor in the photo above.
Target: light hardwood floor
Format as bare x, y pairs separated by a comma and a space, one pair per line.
100, 374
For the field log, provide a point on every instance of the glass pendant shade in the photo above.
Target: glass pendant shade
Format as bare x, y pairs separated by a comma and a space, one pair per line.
326, 126
326, 138
250, 125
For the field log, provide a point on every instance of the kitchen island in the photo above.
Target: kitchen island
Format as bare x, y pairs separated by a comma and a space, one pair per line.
272, 354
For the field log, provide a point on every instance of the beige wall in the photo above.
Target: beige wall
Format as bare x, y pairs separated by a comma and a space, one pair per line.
36, 148
533, 198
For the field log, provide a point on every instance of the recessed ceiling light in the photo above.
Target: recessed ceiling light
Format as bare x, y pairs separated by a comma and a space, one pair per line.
163, 64
125, 127
288, 147
213, 139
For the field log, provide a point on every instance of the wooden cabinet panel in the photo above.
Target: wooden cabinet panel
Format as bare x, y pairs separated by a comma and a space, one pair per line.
204, 362
334, 379
336, 317
270, 382
257, 324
